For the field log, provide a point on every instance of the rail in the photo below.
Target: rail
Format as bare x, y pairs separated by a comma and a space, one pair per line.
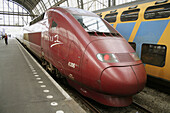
140, 108
88, 104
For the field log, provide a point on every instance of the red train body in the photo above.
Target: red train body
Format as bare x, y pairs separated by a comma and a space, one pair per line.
96, 60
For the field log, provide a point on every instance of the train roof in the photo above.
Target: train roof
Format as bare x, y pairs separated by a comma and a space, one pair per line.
71, 10
123, 5
76, 11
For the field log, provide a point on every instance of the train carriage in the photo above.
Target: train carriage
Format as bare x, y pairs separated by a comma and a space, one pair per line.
78, 45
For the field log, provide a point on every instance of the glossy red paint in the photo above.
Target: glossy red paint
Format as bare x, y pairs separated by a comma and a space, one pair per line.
139, 71
62, 41
106, 99
120, 81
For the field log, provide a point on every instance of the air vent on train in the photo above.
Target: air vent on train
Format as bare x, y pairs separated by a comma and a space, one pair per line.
103, 34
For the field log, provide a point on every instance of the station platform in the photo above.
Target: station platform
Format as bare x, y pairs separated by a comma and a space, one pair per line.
25, 87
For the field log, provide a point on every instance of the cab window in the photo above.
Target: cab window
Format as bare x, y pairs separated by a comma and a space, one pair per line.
93, 24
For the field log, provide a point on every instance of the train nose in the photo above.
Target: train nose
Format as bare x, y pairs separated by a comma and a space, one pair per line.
123, 80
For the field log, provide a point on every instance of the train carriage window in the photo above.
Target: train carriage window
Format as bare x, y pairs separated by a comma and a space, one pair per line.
154, 54
130, 15
133, 45
111, 17
158, 11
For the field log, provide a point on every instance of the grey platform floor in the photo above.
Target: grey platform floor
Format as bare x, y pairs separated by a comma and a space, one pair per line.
26, 88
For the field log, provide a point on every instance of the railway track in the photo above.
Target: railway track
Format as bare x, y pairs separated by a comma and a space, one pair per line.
92, 108
140, 108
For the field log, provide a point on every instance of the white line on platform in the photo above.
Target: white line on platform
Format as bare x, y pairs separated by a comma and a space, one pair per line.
46, 91
52, 80
43, 86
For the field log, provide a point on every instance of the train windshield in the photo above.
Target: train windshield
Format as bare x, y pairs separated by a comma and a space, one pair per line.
92, 23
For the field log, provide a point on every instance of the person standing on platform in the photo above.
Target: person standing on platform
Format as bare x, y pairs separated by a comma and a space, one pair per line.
6, 39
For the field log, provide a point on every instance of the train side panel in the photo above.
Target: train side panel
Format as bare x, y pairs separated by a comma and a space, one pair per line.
32, 38
59, 42
45, 37
65, 48
35, 43
162, 72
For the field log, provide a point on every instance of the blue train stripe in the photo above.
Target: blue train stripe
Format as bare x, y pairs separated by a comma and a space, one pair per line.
112, 25
149, 32
125, 29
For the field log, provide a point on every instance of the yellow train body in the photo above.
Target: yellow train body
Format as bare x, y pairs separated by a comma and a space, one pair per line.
147, 33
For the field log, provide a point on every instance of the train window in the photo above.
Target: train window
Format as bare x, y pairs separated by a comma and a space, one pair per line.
111, 17
158, 11
161, 1
133, 44
54, 24
130, 15
154, 54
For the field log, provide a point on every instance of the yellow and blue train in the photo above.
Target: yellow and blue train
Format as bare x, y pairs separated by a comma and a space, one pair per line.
146, 26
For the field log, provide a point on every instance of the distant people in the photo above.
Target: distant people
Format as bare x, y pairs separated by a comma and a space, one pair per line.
6, 39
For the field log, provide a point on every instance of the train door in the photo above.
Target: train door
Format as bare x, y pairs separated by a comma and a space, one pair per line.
74, 59
54, 40
63, 44
59, 44
45, 38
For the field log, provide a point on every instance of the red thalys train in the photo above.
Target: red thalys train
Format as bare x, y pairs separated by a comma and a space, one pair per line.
94, 58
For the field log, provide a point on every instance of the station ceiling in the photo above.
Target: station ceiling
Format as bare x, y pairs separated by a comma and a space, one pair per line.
37, 7
28, 4
20, 12
31, 5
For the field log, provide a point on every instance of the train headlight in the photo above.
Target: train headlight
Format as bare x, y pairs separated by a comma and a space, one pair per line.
134, 56
107, 57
